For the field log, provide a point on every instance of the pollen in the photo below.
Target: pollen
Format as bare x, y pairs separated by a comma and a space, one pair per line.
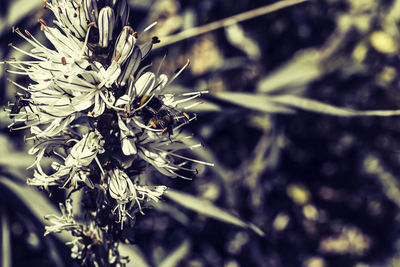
41, 20
117, 56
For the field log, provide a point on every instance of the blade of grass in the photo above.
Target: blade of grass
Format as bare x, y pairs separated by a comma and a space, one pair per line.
259, 102
173, 259
206, 207
186, 34
5, 240
18, 10
318, 107
294, 75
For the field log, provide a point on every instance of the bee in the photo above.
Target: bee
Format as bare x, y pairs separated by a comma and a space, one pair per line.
158, 115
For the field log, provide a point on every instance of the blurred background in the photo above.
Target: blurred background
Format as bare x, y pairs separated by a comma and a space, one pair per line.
324, 189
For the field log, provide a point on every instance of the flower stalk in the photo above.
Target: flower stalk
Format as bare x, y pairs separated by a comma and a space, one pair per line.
101, 118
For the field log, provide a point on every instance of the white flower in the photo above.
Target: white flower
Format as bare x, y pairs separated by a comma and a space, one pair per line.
85, 150
42, 179
76, 165
152, 192
64, 222
146, 107
68, 79
72, 15
149, 114
162, 154
45, 145
76, 15
148, 89
127, 194
123, 191
64, 82
80, 157
55, 128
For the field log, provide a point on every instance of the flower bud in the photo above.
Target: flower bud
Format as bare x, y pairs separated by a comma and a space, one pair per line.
106, 25
84, 151
121, 187
130, 67
124, 45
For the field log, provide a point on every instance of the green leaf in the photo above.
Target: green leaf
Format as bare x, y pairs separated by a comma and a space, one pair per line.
288, 104
300, 71
16, 159
207, 208
177, 255
202, 106
36, 202
239, 38
19, 9
172, 211
319, 107
259, 102
136, 257
5, 239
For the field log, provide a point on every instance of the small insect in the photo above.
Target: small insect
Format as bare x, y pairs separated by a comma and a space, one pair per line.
158, 115
19, 103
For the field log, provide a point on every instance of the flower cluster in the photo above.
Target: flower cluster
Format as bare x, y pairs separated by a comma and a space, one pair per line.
100, 116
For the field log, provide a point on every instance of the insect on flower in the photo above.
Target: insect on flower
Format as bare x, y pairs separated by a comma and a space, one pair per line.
160, 116
20, 102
